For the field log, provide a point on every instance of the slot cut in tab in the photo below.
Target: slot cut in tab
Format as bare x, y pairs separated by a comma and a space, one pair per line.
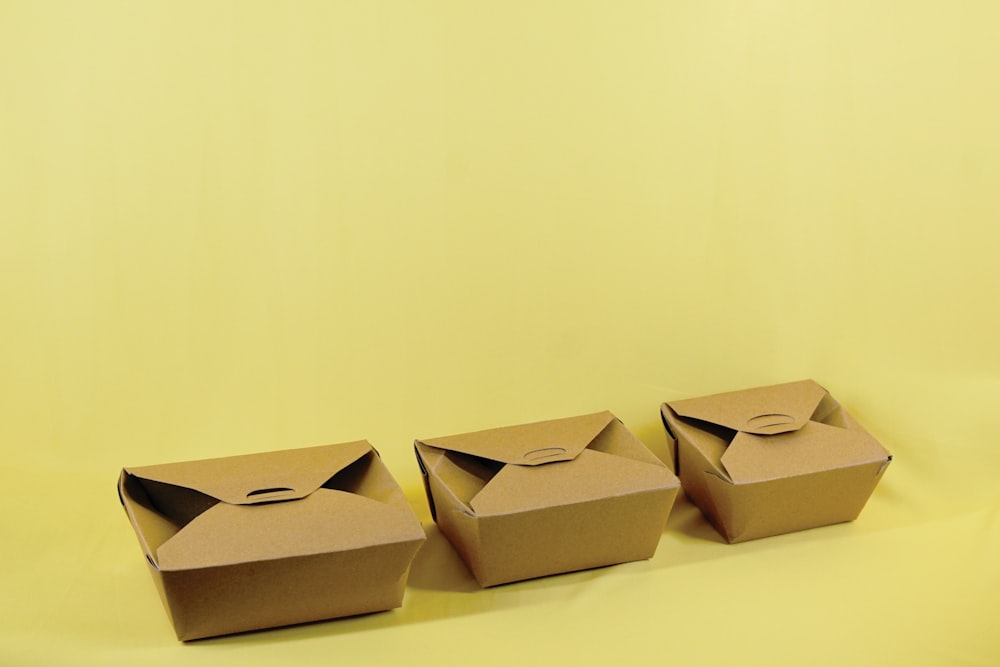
262, 492
769, 421
544, 453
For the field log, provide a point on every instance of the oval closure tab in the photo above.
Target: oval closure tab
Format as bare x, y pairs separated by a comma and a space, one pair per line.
771, 423
543, 453
271, 495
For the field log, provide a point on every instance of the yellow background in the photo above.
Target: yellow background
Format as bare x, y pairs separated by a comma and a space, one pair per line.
229, 227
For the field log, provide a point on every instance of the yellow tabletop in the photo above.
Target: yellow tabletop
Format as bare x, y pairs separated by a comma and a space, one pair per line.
231, 227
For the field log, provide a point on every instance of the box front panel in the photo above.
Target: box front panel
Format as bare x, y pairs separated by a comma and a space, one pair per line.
751, 511
251, 596
573, 537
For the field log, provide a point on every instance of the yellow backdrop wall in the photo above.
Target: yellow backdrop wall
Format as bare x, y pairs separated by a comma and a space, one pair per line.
229, 227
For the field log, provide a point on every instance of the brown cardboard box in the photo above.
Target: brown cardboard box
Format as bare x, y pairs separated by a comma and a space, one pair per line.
262, 540
555, 496
773, 460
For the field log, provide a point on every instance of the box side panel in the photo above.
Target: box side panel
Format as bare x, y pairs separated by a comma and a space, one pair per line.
151, 527
710, 440
455, 523
671, 459
161, 590
696, 474
572, 537
763, 509
251, 596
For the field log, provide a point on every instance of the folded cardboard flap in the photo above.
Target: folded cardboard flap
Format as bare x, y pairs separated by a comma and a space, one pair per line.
772, 432
712, 438
830, 412
186, 521
593, 475
323, 522
764, 411
465, 475
814, 447
529, 444
364, 479
494, 471
258, 478
177, 504
617, 440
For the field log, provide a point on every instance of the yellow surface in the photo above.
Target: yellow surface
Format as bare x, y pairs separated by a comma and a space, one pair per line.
229, 227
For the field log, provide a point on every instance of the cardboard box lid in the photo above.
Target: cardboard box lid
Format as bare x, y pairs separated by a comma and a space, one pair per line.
251, 479
529, 444
763, 411
266, 506
555, 462
775, 432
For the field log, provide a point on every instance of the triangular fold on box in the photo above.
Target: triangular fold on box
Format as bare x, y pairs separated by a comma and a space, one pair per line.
813, 448
770, 410
592, 475
325, 521
259, 478
529, 444
617, 440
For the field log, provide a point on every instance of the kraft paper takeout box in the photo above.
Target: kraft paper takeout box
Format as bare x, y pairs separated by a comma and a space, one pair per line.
772, 460
556, 496
264, 540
